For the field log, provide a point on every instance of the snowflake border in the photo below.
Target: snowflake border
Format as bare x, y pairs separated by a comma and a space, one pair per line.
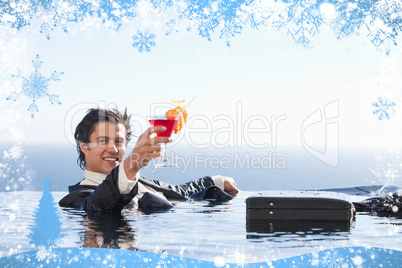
35, 86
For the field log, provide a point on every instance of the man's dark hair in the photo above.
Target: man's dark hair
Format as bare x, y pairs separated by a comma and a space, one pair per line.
87, 125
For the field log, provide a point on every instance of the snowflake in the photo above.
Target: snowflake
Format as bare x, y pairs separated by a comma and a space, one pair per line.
387, 8
302, 21
382, 35
163, 259
332, 259
383, 108
230, 29
36, 86
45, 29
143, 41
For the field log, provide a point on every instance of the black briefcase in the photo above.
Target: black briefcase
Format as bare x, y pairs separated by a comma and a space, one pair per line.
298, 208
265, 212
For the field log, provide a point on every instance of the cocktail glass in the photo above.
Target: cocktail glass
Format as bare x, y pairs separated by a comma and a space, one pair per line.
169, 122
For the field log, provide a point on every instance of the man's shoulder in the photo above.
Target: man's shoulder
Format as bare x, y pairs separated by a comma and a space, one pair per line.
76, 195
80, 188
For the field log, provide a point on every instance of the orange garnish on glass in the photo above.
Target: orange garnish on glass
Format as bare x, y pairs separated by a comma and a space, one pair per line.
173, 113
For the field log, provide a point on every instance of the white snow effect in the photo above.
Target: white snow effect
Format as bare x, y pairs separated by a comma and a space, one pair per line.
15, 152
358, 260
219, 261
87, 253
328, 11
43, 253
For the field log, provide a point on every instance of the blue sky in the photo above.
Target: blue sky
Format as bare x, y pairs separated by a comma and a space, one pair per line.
265, 72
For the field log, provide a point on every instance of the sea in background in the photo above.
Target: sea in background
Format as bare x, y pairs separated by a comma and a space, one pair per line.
282, 168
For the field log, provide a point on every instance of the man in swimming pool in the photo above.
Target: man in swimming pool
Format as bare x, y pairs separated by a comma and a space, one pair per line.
113, 181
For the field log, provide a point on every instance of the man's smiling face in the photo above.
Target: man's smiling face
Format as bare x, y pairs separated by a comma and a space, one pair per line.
106, 148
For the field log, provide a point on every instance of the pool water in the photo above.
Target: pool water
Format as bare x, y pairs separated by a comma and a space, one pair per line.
191, 229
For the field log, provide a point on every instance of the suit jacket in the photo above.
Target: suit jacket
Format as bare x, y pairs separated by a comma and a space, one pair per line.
106, 196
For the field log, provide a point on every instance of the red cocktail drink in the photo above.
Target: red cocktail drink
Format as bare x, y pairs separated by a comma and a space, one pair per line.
173, 120
168, 123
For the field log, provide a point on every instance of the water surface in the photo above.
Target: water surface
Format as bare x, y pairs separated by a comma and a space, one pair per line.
191, 229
